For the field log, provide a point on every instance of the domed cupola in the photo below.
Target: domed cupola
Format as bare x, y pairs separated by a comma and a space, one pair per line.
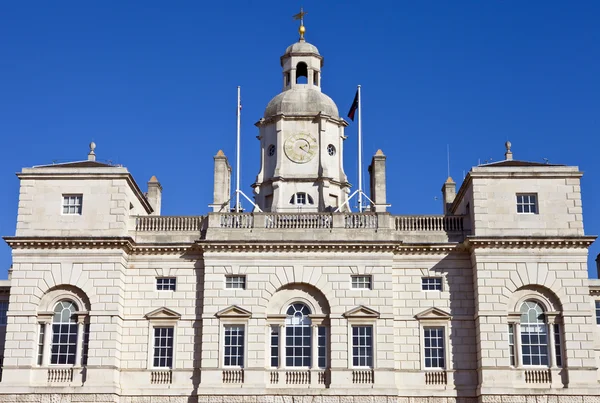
301, 136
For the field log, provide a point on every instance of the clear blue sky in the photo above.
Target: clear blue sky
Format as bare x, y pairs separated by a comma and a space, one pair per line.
153, 83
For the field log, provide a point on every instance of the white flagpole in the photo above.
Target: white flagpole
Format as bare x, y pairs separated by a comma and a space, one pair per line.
360, 190
237, 164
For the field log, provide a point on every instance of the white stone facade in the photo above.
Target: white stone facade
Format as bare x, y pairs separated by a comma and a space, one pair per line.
313, 305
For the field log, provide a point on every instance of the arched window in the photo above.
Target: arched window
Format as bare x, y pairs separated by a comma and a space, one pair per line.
64, 333
298, 336
301, 198
301, 73
536, 335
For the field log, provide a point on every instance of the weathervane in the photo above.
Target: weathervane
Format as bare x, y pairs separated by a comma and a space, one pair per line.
300, 16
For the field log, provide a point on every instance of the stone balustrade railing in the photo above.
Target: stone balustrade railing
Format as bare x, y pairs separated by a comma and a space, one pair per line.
233, 376
436, 378
538, 376
161, 377
429, 223
363, 376
60, 375
301, 221
169, 223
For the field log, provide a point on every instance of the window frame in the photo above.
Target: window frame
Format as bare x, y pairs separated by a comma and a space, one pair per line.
244, 345
435, 318
444, 347
361, 316
526, 203
354, 285
597, 306
154, 346
235, 276
66, 197
424, 283
372, 346
168, 284
162, 317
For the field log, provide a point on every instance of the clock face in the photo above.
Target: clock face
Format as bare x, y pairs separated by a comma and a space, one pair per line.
300, 147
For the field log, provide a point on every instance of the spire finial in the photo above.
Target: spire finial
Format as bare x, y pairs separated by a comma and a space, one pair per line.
302, 29
92, 154
508, 154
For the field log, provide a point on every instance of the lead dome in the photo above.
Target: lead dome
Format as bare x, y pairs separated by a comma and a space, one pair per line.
301, 101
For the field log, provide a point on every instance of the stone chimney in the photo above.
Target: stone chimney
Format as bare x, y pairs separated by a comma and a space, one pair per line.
378, 187
222, 184
154, 195
448, 194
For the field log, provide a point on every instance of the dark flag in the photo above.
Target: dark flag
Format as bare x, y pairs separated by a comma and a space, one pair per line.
354, 107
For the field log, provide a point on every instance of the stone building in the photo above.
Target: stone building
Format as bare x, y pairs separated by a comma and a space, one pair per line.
302, 299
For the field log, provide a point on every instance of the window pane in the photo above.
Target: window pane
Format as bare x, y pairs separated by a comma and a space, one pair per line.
163, 347
534, 334
362, 346
298, 336
238, 282
361, 282
234, 346
434, 347
64, 333
431, 284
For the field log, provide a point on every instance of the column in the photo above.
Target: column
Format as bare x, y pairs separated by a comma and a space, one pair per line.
315, 348
79, 347
551, 345
47, 343
518, 353
281, 346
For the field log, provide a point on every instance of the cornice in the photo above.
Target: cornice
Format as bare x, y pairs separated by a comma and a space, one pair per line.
124, 243
302, 246
529, 242
165, 249
429, 249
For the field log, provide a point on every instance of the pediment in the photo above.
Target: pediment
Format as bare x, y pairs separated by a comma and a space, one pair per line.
233, 311
433, 313
162, 314
362, 311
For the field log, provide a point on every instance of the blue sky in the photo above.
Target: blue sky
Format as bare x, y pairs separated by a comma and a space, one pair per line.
153, 83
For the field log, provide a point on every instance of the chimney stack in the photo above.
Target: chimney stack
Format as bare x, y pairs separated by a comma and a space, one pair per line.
448, 194
222, 184
154, 195
378, 187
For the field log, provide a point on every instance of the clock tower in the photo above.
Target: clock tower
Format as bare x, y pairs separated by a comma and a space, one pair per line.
301, 141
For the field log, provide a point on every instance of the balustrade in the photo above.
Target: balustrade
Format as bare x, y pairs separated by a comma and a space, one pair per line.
538, 376
363, 376
237, 220
233, 376
299, 221
161, 377
169, 223
436, 378
429, 223
360, 220
297, 377
60, 375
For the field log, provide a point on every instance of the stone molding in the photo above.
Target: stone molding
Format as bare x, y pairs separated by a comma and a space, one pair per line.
124, 243
529, 242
